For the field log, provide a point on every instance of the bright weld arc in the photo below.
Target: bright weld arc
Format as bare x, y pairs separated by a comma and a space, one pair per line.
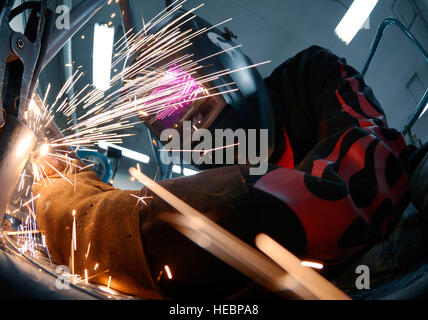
168, 272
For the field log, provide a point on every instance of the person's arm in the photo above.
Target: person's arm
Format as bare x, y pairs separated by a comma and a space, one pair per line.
349, 187
120, 236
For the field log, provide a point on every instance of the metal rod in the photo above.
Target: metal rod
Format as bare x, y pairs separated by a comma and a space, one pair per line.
416, 114
384, 24
81, 14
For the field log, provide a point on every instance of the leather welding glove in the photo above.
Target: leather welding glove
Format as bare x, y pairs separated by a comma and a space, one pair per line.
107, 232
117, 228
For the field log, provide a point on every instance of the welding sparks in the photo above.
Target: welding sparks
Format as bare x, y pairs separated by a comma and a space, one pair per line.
142, 199
64, 177
31, 200
109, 282
87, 252
73, 241
74, 230
313, 265
168, 272
15, 233
108, 290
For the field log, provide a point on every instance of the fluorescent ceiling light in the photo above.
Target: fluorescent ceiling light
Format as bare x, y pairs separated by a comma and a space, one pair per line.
126, 152
187, 172
102, 56
354, 19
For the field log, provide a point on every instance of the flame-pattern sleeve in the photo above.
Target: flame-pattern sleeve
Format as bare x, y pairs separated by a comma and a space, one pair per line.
349, 187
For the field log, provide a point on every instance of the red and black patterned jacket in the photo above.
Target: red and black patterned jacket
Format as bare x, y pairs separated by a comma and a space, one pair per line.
335, 187
341, 173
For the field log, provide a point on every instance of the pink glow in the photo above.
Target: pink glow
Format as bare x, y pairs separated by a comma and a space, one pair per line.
183, 90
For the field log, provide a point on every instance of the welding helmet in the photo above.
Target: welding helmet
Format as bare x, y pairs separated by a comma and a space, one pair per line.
238, 100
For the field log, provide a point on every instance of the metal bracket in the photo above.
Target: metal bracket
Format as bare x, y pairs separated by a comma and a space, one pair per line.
29, 49
421, 105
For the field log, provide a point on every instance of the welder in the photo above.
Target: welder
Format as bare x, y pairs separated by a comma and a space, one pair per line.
337, 184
